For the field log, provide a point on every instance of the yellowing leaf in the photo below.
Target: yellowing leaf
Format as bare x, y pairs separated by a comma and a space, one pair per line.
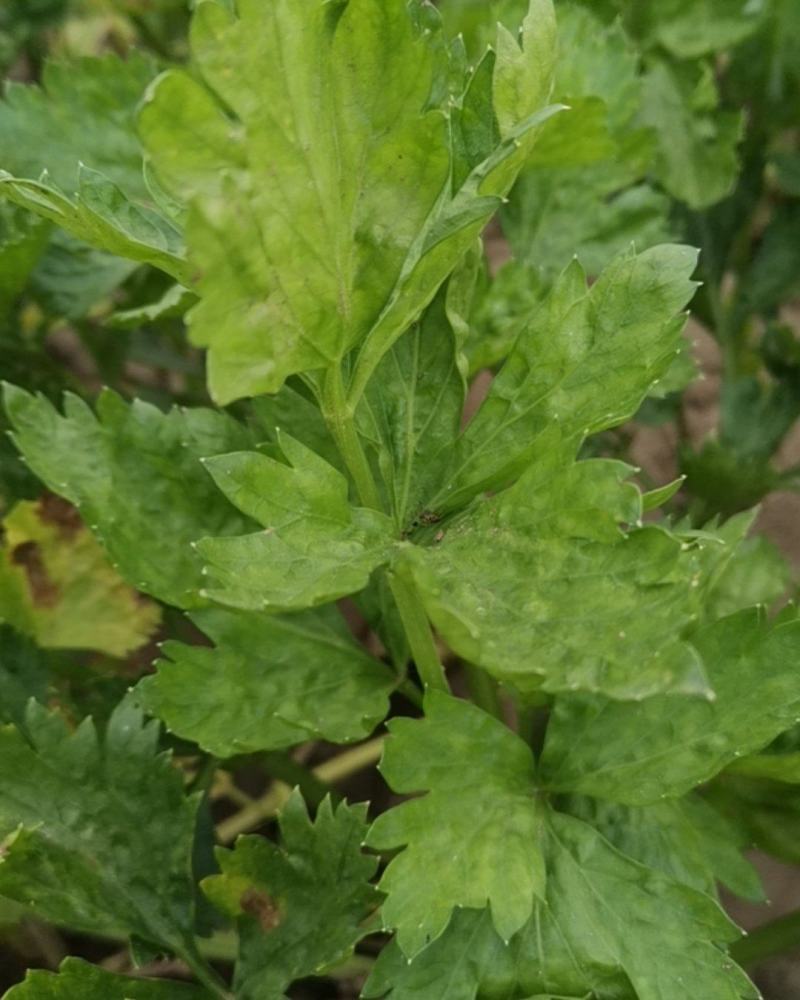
57, 585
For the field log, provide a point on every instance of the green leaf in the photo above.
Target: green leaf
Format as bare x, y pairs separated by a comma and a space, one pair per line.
411, 411
314, 547
541, 587
696, 158
689, 31
269, 682
686, 839
22, 241
757, 573
70, 154
135, 475
173, 303
783, 767
638, 754
768, 812
584, 190
656, 498
98, 832
473, 838
623, 332
302, 905
23, 675
72, 277
57, 586
609, 927
345, 154
79, 979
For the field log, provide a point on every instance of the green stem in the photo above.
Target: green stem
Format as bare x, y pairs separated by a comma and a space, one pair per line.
484, 691
339, 417
418, 632
774, 938
411, 691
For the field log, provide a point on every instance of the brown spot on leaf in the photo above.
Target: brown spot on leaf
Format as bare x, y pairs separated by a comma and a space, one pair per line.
53, 510
28, 555
262, 906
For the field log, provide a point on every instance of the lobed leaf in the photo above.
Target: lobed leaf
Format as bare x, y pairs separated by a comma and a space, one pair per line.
98, 833
474, 838
314, 547
687, 839
687, 740
302, 905
541, 587
269, 682
622, 334
70, 154
345, 154
135, 475
609, 927
696, 156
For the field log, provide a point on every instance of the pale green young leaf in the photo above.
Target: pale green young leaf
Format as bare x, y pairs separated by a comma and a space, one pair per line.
686, 839
609, 927
270, 681
696, 155
98, 832
77, 979
623, 334
314, 547
639, 753
541, 587
70, 154
303, 904
338, 155
135, 475
58, 587
342, 154
474, 838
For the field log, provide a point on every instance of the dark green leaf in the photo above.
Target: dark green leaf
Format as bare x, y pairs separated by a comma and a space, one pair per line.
98, 832
269, 682
76, 979
640, 753
686, 839
610, 927
302, 905
23, 675
135, 475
